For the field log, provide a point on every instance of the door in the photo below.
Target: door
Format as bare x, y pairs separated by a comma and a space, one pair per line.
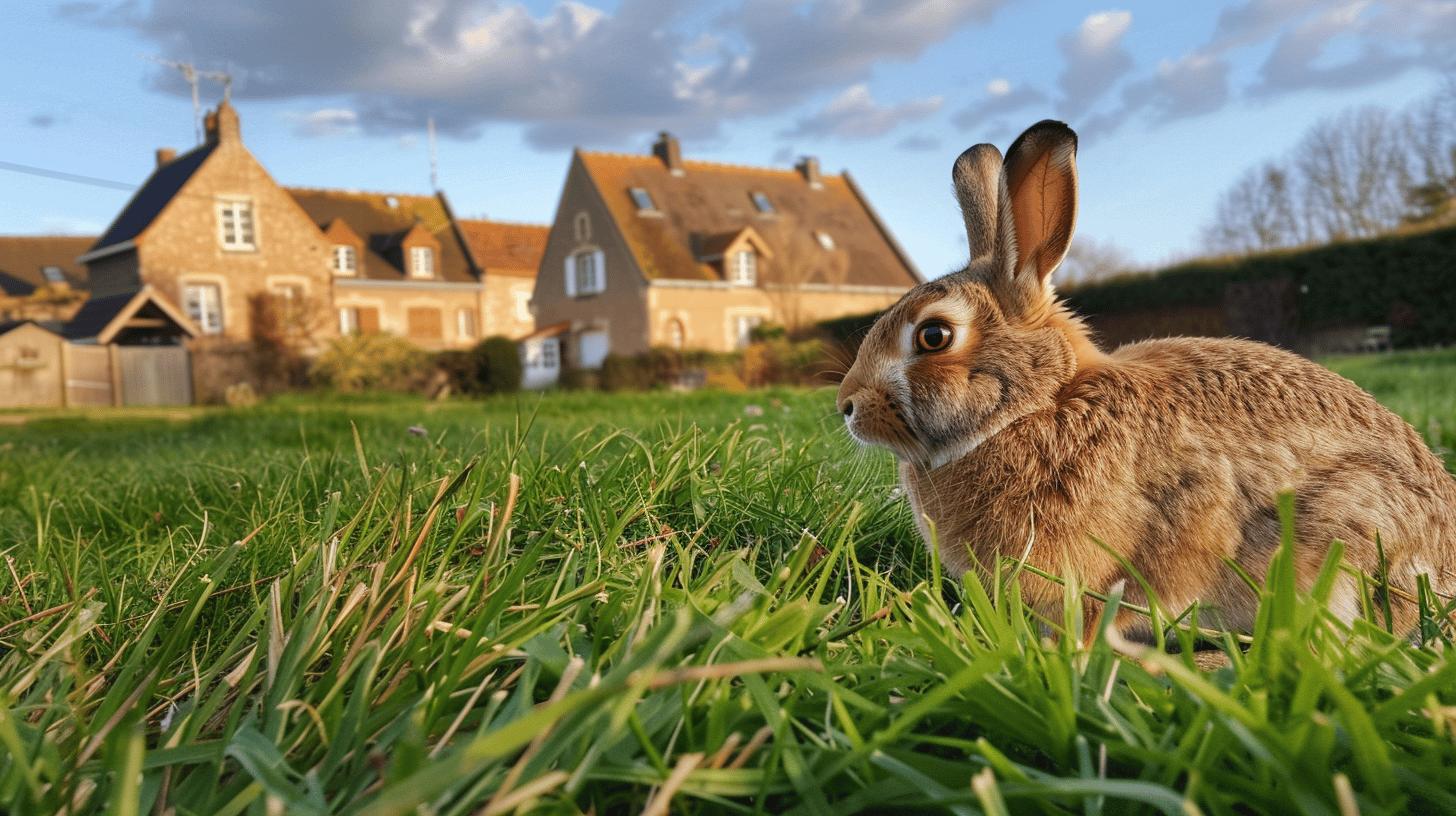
594, 347
155, 375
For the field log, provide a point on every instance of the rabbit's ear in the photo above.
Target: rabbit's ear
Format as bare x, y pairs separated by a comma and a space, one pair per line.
980, 189
1041, 175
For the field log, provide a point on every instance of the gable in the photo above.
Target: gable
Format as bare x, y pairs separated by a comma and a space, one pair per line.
383, 221
709, 201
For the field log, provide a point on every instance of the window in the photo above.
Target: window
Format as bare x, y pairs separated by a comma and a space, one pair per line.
422, 262
593, 347
743, 271
548, 357
52, 274
825, 240
541, 353
743, 326
465, 323
642, 199
346, 259
358, 320
235, 223
423, 323
203, 302
762, 204
522, 300
288, 291
585, 275
676, 334
582, 227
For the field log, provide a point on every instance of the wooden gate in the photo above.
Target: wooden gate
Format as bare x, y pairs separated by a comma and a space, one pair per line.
88, 375
154, 375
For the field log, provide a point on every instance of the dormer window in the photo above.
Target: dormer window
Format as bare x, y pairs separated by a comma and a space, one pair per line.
421, 262
235, 225
52, 274
642, 199
825, 240
346, 260
762, 204
743, 268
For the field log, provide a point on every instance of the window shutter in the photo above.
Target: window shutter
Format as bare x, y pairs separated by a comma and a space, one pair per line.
599, 262
571, 276
368, 320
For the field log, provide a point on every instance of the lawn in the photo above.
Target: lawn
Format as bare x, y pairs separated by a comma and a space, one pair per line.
702, 603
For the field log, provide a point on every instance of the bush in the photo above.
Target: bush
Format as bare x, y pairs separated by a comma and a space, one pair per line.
497, 365
371, 362
621, 373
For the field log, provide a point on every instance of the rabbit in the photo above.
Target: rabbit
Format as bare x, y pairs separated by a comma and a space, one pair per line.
1018, 437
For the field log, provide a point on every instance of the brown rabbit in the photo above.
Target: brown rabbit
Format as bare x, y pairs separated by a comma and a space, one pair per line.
1018, 437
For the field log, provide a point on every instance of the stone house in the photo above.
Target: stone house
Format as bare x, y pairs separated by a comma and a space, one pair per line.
213, 232
659, 251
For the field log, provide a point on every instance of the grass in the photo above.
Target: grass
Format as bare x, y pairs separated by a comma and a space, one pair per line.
621, 604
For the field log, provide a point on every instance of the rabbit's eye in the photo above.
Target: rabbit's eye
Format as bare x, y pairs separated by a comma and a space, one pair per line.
933, 335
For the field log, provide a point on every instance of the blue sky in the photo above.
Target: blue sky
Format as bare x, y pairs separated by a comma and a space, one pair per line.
1173, 99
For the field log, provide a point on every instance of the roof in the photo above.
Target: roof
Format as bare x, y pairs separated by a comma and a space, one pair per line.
553, 330
382, 220
710, 200
23, 256
7, 326
155, 193
104, 317
504, 248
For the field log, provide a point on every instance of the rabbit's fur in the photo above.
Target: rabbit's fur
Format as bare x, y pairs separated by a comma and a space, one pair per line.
1022, 439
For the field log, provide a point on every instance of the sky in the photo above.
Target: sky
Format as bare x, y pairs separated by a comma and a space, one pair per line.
1172, 100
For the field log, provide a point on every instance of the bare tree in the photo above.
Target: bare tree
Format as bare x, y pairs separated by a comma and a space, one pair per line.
1430, 134
1090, 260
1354, 174
1259, 212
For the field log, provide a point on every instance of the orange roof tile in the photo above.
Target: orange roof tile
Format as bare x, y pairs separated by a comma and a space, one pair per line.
505, 249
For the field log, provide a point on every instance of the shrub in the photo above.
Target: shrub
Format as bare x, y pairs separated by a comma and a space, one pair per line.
621, 373
497, 365
370, 362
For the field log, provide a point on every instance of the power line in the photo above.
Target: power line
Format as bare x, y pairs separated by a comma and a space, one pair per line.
77, 178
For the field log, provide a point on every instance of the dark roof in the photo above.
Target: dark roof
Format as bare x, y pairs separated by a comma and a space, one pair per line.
95, 315
506, 249
383, 225
147, 203
709, 199
6, 326
23, 256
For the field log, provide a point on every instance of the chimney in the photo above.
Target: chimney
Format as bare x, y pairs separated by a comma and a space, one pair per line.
222, 124
165, 154
667, 149
808, 167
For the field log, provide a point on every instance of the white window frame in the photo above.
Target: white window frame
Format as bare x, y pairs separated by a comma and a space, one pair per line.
425, 269
677, 333
465, 327
549, 358
236, 216
589, 281
343, 253
521, 304
209, 321
348, 320
743, 326
743, 268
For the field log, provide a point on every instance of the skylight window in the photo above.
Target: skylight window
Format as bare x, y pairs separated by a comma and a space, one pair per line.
642, 199
53, 274
762, 204
825, 240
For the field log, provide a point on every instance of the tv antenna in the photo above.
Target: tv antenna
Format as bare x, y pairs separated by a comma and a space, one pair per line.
192, 76
434, 162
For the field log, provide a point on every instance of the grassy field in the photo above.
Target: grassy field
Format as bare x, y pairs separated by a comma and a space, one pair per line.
620, 604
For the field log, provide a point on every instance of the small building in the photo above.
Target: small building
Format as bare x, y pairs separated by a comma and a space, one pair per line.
660, 251
40, 278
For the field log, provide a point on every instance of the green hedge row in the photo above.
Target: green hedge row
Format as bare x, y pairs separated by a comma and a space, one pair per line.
1405, 280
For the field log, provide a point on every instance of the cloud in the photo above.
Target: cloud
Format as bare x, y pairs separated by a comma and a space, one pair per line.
919, 143
42, 120
1300, 57
325, 122
1002, 97
854, 114
1095, 59
573, 74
